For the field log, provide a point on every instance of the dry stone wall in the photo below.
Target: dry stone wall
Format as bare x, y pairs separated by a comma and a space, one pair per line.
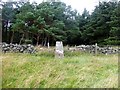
17, 48
82, 48
103, 50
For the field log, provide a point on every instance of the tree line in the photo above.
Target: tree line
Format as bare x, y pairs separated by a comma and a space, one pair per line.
55, 21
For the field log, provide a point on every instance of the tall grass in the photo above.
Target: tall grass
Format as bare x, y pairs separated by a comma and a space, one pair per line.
75, 70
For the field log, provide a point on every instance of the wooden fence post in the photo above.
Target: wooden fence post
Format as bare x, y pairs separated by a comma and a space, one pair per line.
48, 45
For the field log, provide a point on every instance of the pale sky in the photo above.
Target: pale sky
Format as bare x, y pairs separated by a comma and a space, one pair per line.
79, 5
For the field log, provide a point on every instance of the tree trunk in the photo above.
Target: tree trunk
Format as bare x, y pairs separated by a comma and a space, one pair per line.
48, 43
42, 41
21, 38
45, 42
0, 35
6, 34
11, 41
26, 35
37, 40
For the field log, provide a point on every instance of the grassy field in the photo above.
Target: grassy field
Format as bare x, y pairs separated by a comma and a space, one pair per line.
42, 70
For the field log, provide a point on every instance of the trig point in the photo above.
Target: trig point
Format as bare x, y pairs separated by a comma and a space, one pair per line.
59, 53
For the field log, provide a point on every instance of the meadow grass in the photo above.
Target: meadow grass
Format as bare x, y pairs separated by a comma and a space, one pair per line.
75, 70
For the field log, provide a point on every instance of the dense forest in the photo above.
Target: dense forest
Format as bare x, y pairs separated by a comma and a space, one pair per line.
55, 21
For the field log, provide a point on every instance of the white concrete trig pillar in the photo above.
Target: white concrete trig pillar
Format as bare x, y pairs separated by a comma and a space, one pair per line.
59, 52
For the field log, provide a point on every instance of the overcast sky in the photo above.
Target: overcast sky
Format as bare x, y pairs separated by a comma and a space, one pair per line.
79, 5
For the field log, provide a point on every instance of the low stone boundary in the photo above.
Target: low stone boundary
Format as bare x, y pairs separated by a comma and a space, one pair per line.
83, 48
17, 48
93, 48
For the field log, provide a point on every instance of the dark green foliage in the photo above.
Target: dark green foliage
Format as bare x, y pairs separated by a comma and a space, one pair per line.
101, 26
52, 21
111, 41
28, 41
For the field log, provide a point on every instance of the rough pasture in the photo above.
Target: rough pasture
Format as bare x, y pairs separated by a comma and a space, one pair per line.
42, 70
